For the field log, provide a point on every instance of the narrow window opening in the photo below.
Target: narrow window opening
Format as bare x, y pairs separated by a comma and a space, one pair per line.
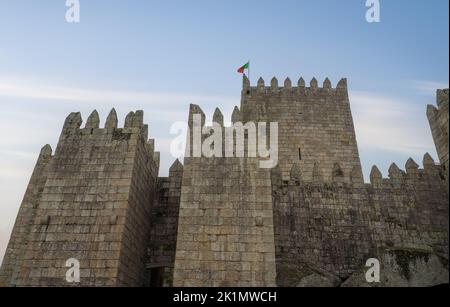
300, 154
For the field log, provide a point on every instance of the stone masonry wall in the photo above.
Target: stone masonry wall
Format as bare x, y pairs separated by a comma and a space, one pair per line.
225, 231
10, 270
161, 245
90, 201
334, 227
315, 123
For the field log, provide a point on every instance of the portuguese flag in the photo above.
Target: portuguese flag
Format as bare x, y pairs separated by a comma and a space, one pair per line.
243, 68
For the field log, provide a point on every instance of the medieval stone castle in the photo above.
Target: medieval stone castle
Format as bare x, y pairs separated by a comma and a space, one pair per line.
310, 221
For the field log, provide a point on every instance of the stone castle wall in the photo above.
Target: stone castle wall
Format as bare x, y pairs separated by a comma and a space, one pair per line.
225, 233
161, 244
332, 228
326, 220
91, 201
315, 123
11, 272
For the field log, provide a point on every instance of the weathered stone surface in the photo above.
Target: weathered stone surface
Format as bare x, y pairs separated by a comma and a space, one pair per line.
304, 275
91, 200
438, 118
315, 125
317, 281
405, 268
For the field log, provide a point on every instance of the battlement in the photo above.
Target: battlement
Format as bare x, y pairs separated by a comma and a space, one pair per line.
337, 225
74, 122
300, 89
430, 174
134, 129
217, 116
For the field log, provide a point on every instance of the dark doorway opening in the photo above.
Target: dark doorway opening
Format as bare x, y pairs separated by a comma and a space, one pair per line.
155, 277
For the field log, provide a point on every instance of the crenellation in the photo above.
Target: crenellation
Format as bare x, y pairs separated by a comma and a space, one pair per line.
93, 121
411, 166
274, 84
245, 83
395, 173
236, 116
46, 151
342, 84
260, 84
138, 119
287, 83
327, 84
196, 110
376, 176
428, 161
73, 122
129, 120
218, 117
111, 120
301, 83
314, 84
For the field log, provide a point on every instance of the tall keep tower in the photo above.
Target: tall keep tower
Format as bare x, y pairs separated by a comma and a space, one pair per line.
315, 125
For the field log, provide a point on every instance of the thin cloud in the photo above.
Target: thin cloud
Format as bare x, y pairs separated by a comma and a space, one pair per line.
391, 124
429, 87
21, 88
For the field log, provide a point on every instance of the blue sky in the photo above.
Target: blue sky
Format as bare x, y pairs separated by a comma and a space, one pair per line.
160, 56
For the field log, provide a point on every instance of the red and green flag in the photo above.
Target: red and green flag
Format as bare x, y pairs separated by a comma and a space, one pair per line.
242, 69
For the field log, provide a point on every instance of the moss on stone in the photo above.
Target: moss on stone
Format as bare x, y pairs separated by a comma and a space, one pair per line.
292, 274
404, 257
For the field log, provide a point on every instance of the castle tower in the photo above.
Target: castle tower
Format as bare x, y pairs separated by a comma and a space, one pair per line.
90, 201
438, 118
225, 226
315, 124
161, 244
